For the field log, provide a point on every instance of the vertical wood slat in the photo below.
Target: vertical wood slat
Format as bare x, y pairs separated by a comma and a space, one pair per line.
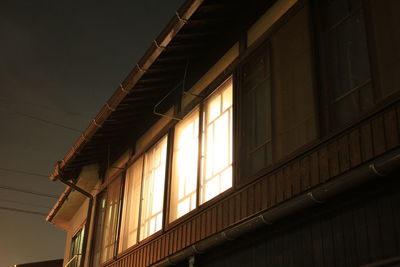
287, 182
183, 236
323, 164
367, 151
265, 193
354, 148
207, 226
391, 129
378, 134
314, 169
203, 224
333, 160
343, 153
279, 186
243, 204
188, 233
232, 201
197, 221
296, 173
257, 196
214, 218
272, 185
305, 173
250, 201
237, 207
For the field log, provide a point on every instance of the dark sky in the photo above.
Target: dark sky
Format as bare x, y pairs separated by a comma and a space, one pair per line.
60, 61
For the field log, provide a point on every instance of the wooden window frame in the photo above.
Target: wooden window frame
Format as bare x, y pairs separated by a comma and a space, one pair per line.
209, 91
320, 59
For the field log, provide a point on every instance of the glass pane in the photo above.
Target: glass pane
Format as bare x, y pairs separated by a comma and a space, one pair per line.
345, 110
217, 141
184, 165
111, 218
130, 211
153, 189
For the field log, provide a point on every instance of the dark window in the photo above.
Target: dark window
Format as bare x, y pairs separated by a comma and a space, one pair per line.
345, 60
256, 147
277, 102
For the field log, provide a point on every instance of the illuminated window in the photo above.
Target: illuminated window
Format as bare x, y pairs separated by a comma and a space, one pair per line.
111, 219
153, 189
184, 168
130, 212
216, 152
215, 174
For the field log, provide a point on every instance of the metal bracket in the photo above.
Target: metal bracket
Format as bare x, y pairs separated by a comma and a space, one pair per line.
180, 18
311, 195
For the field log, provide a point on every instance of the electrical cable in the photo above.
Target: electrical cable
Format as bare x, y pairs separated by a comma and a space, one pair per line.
23, 172
41, 120
23, 211
24, 203
27, 191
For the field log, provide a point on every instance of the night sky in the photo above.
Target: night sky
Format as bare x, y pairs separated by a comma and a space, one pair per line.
60, 61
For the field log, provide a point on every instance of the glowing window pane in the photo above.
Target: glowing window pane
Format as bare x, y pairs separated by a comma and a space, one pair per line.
153, 188
184, 166
130, 211
216, 161
212, 188
214, 108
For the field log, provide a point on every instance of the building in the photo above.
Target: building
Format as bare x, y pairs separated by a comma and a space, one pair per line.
251, 133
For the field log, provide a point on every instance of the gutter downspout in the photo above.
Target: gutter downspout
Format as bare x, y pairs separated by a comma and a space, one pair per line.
88, 217
381, 167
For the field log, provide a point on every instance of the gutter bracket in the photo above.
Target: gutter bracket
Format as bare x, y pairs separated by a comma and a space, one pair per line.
373, 168
313, 198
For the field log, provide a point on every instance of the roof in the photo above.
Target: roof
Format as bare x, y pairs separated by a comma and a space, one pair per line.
199, 31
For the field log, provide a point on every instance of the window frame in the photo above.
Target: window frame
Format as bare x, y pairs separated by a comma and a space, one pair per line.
325, 96
229, 73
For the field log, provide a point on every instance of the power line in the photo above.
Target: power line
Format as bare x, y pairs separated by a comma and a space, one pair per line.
25, 203
23, 172
24, 211
41, 120
45, 107
27, 191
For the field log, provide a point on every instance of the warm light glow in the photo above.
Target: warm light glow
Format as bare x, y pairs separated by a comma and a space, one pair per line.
216, 175
130, 211
111, 219
184, 170
153, 189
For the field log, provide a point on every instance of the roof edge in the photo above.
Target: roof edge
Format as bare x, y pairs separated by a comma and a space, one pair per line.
175, 24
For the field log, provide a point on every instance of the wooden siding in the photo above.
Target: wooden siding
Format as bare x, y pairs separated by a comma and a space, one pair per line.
338, 154
361, 228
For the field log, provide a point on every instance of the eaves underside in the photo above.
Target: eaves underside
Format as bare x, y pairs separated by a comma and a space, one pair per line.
198, 33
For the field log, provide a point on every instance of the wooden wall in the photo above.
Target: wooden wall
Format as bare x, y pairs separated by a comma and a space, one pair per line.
323, 161
362, 227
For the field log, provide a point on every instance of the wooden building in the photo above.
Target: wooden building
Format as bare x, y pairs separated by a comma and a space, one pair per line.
251, 133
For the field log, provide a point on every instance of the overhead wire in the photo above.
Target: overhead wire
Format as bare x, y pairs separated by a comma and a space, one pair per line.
24, 203
27, 191
44, 107
23, 172
23, 211
41, 120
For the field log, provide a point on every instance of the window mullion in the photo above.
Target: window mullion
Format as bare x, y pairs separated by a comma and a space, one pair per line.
199, 154
139, 227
